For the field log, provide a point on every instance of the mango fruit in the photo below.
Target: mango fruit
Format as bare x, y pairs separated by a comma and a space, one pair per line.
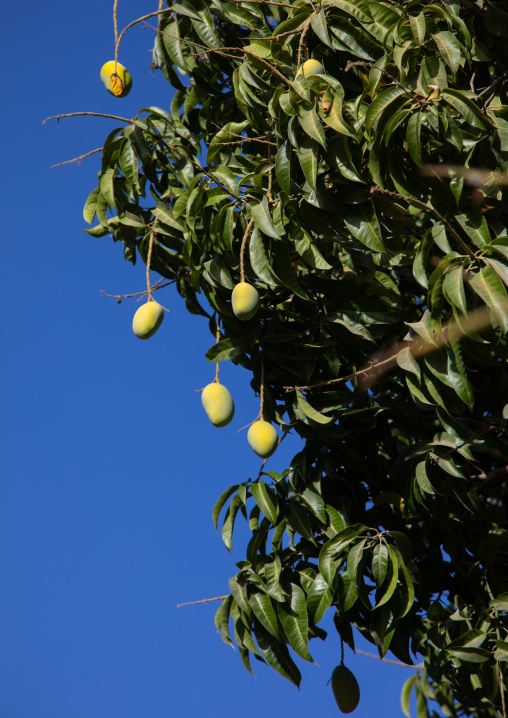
147, 320
245, 301
218, 404
119, 83
262, 438
345, 689
311, 67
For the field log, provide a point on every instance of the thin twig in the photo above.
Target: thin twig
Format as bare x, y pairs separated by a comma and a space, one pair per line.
135, 22
241, 142
204, 600
496, 476
388, 660
265, 2
249, 424
302, 39
242, 249
93, 114
395, 195
453, 331
77, 159
498, 81
156, 286
205, 172
363, 63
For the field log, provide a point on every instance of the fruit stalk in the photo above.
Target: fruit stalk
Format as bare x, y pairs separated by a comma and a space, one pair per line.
115, 24
148, 261
217, 339
242, 249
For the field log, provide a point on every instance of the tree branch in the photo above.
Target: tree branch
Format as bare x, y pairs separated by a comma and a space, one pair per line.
204, 600
412, 200
93, 114
77, 159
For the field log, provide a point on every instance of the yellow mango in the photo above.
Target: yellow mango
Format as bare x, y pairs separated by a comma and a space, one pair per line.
119, 83
311, 67
345, 689
245, 301
147, 320
218, 404
262, 438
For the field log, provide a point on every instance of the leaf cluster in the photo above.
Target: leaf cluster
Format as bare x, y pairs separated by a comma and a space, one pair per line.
394, 514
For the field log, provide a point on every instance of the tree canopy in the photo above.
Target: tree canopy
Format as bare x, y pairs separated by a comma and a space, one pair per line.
364, 197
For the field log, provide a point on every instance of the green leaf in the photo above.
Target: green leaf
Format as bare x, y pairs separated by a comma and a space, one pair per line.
352, 326
226, 349
173, 44
380, 562
405, 581
490, 288
107, 186
423, 479
259, 259
470, 655
221, 502
260, 47
394, 577
449, 48
222, 620
406, 695
264, 500
406, 361
308, 157
311, 124
166, 215
90, 206
315, 503
283, 167
263, 219
298, 520
501, 653
363, 224
319, 599
229, 521
277, 656
295, 622
318, 23
285, 271
264, 611
476, 227
309, 252
355, 562
346, 593
310, 412
273, 571
334, 547
467, 108
413, 138
356, 9
98, 231
379, 105
453, 288
419, 28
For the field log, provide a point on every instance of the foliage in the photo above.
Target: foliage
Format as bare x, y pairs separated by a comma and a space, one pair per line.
394, 514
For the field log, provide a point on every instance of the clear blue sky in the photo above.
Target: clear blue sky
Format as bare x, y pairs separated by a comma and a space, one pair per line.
109, 467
